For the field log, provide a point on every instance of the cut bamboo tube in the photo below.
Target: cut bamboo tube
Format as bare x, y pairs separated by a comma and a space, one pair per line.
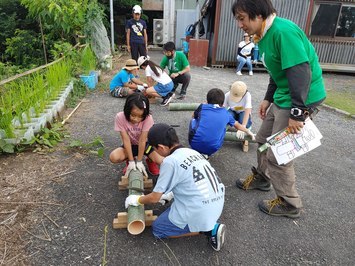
232, 136
183, 106
136, 215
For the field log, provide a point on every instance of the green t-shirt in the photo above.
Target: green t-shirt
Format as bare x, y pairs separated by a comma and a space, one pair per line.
285, 45
176, 64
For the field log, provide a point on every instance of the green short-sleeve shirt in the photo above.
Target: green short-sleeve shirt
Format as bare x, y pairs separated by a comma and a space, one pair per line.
176, 64
285, 45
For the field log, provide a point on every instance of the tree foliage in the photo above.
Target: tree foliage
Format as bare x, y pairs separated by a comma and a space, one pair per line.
67, 15
24, 49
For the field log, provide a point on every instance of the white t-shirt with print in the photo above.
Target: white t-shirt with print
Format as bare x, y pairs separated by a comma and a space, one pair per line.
162, 79
244, 103
198, 191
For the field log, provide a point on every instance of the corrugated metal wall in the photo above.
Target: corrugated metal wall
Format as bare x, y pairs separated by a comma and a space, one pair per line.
230, 35
334, 51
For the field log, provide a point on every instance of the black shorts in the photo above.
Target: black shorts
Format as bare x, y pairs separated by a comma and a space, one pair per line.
148, 150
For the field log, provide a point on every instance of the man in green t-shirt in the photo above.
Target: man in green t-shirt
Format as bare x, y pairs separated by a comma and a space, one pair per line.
296, 88
178, 67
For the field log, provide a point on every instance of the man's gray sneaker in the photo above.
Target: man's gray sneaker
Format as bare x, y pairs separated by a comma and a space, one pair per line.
279, 207
255, 180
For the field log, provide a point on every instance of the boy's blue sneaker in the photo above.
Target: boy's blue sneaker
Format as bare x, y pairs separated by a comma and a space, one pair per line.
217, 240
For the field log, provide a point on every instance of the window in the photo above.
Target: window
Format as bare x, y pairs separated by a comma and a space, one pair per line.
333, 20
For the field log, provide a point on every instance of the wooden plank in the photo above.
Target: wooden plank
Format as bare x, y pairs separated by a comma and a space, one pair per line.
120, 221
123, 184
245, 146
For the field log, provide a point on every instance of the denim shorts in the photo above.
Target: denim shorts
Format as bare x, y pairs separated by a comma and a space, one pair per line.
163, 90
163, 228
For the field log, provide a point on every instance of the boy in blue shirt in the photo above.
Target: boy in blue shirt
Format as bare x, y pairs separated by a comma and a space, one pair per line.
188, 177
124, 82
208, 126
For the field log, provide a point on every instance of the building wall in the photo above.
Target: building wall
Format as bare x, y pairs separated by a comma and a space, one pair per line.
229, 35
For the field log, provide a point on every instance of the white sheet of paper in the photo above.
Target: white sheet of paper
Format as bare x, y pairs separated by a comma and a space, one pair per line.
295, 145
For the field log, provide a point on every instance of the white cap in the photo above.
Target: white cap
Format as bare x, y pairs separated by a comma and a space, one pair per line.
137, 9
237, 91
142, 59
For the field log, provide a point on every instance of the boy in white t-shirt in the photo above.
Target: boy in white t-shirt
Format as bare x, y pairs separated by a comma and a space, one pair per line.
188, 177
164, 85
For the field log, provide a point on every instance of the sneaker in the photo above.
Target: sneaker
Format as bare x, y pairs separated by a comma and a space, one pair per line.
167, 99
125, 168
279, 207
206, 156
152, 167
216, 241
181, 97
239, 73
250, 73
255, 180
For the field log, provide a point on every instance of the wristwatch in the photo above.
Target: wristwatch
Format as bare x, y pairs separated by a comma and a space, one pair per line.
296, 112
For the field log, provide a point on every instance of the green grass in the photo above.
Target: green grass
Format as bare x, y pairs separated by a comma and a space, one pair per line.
343, 100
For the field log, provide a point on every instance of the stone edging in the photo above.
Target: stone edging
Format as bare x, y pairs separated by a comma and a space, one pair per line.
338, 110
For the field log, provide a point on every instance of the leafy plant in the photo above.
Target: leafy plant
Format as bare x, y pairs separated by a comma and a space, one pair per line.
6, 114
96, 146
67, 15
24, 48
48, 137
88, 60
78, 92
6, 147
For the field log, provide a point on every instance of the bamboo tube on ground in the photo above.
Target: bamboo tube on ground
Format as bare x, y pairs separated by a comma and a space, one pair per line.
135, 214
183, 106
232, 136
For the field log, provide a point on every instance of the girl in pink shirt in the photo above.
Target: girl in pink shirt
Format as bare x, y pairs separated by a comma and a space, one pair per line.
133, 124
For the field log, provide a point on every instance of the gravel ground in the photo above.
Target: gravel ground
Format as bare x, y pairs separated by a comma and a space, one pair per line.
323, 235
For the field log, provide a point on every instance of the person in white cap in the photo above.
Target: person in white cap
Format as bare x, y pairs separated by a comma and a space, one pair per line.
238, 103
208, 125
136, 34
159, 82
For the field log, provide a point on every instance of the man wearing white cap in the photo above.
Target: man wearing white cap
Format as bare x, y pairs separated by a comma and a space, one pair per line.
136, 34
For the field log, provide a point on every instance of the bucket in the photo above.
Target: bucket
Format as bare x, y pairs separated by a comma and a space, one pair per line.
90, 80
96, 73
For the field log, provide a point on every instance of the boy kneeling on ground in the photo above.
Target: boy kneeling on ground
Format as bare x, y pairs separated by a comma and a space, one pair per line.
198, 192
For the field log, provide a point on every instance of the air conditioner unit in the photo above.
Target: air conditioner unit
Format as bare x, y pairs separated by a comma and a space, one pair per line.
159, 31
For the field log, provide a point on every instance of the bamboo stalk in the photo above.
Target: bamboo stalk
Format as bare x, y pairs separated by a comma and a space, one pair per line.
183, 106
71, 113
135, 214
232, 136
